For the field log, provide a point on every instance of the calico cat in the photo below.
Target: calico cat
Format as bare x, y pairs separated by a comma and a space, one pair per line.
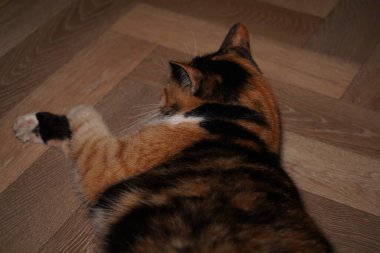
205, 177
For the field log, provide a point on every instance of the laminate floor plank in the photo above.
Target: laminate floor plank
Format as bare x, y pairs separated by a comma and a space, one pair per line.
75, 235
20, 18
313, 71
351, 30
261, 18
319, 8
349, 229
27, 65
364, 90
37, 204
84, 80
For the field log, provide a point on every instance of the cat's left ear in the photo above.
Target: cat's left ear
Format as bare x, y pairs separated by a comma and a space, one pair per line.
186, 76
238, 36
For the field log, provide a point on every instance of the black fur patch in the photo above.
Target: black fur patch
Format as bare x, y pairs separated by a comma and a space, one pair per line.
52, 126
124, 233
230, 130
222, 80
232, 112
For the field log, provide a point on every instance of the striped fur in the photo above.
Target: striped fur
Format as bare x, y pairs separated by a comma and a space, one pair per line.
205, 177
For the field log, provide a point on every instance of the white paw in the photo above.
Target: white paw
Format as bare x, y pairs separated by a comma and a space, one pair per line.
24, 127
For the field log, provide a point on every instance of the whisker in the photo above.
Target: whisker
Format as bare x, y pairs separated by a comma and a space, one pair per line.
141, 121
142, 114
145, 105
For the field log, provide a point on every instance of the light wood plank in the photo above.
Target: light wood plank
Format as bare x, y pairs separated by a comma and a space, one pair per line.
261, 18
333, 173
20, 18
364, 89
47, 49
86, 79
351, 31
326, 75
320, 8
329, 120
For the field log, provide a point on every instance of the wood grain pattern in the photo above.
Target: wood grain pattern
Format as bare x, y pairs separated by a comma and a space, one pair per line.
307, 113
85, 79
334, 173
75, 235
315, 166
351, 31
262, 19
328, 76
37, 204
20, 18
28, 64
329, 120
364, 89
319, 8
350, 230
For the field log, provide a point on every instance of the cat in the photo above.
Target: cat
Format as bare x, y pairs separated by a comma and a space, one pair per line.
204, 177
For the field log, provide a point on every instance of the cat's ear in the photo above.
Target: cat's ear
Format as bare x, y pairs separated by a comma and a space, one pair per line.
238, 36
186, 76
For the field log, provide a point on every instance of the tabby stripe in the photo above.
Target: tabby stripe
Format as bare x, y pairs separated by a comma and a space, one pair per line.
230, 112
229, 130
157, 180
223, 148
145, 220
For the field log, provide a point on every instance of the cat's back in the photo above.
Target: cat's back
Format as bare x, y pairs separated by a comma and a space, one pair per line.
212, 197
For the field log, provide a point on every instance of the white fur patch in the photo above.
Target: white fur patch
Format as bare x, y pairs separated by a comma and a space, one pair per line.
178, 119
24, 127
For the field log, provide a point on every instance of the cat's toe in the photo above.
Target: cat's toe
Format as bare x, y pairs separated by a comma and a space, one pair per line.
25, 128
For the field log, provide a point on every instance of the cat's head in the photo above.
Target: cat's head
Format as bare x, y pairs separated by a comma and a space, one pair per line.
220, 77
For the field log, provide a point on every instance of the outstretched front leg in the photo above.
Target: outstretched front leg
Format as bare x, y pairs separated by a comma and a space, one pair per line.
84, 138
100, 159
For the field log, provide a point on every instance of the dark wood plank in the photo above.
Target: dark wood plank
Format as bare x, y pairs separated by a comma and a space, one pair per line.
37, 204
350, 230
364, 89
351, 30
320, 8
24, 67
76, 235
20, 18
261, 18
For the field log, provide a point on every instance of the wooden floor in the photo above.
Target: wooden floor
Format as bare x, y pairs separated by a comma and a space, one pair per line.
322, 58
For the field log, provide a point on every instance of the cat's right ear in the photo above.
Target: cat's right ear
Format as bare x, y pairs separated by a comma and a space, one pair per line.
186, 76
238, 36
